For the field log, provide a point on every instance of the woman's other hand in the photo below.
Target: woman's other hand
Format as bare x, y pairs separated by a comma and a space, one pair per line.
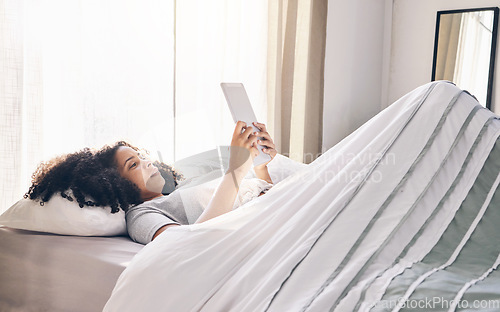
268, 147
243, 149
266, 142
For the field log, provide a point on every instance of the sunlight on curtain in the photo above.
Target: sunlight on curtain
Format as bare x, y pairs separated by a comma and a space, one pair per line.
472, 65
107, 73
216, 41
77, 73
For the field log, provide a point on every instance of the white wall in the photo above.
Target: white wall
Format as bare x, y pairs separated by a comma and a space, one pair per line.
413, 28
376, 52
355, 79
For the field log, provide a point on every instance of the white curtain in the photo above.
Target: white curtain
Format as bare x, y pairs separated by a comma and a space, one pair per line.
216, 41
77, 73
473, 57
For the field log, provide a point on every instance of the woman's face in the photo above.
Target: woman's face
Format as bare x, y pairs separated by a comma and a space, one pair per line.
139, 171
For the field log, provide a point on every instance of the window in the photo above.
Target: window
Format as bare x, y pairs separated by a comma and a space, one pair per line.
79, 73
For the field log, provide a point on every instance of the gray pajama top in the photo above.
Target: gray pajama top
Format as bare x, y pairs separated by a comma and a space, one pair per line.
145, 219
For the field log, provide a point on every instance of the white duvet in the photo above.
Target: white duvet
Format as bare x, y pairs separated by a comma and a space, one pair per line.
328, 238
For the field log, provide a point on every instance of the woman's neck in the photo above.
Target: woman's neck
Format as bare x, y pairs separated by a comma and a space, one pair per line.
151, 197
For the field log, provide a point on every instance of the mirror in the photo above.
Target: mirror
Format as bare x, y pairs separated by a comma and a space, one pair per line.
464, 50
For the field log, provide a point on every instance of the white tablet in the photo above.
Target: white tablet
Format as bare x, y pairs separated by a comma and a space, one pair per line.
241, 109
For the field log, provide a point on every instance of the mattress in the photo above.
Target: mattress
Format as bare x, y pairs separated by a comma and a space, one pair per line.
47, 272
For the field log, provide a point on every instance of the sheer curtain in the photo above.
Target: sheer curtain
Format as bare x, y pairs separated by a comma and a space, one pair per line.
473, 57
216, 41
77, 73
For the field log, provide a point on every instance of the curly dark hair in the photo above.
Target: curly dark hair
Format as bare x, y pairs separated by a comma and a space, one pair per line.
93, 179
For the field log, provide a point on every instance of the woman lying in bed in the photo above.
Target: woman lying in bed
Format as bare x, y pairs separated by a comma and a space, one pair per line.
120, 177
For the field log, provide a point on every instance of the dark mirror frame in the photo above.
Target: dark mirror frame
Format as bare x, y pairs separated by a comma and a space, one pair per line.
493, 46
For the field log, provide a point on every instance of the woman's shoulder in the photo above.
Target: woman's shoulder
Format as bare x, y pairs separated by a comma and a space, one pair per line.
152, 202
166, 202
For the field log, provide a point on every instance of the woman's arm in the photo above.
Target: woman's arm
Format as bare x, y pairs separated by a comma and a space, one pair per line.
242, 152
223, 198
222, 201
163, 228
263, 174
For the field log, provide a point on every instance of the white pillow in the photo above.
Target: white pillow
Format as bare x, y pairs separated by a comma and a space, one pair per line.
203, 163
61, 216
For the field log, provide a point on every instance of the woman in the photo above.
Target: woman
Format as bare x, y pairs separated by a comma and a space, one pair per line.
120, 177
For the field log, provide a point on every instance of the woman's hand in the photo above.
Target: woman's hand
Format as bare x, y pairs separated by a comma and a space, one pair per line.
269, 148
243, 149
266, 142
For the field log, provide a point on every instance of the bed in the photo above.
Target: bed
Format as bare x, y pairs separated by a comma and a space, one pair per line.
48, 272
401, 215
77, 268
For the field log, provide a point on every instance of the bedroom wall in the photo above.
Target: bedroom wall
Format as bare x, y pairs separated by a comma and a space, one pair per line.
413, 27
356, 63
377, 51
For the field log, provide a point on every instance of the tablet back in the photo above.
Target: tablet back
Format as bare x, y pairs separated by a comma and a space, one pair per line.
241, 109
